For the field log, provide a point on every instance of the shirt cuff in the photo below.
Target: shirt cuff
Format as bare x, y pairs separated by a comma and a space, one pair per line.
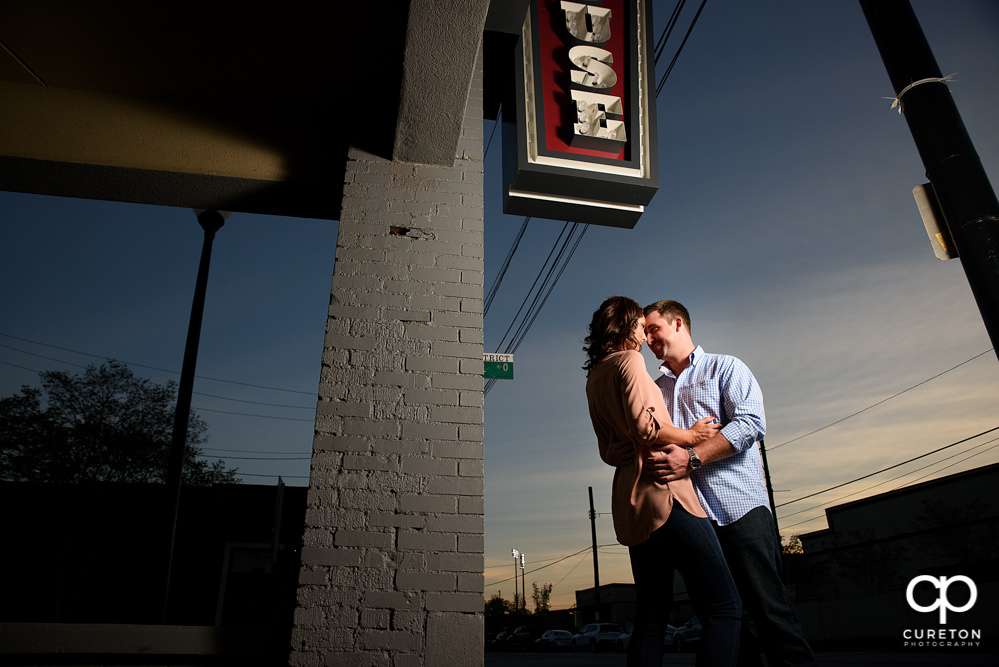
740, 436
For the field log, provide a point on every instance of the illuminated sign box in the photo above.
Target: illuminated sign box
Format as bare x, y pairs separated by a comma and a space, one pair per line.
580, 137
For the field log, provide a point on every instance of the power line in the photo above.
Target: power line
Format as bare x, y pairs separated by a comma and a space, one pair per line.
889, 481
955, 463
523, 331
251, 414
242, 400
499, 114
256, 458
915, 458
506, 264
838, 421
555, 562
668, 30
669, 69
907, 484
137, 365
239, 451
249, 474
546, 286
533, 285
202, 409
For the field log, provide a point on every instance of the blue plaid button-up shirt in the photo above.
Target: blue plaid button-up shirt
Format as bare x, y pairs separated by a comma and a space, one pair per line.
722, 386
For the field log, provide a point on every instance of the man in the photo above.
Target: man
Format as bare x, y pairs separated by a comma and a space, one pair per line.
727, 472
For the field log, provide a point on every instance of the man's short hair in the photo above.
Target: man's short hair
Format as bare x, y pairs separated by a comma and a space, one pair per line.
669, 310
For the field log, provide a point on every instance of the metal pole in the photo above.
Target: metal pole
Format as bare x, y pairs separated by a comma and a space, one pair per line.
596, 565
211, 222
516, 604
523, 584
770, 487
962, 189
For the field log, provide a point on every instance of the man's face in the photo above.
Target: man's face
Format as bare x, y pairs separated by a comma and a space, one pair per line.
660, 333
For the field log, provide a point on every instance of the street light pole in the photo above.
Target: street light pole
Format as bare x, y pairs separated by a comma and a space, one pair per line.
211, 222
515, 554
523, 584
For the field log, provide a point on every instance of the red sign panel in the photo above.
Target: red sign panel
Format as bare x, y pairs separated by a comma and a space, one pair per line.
583, 145
556, 44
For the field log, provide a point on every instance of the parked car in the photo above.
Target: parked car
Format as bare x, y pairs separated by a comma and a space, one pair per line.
553, 640
687, 636
520, 640
597, 636
498, 641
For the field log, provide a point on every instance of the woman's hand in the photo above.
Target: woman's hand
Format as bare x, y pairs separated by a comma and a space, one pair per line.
701, 431
620, 453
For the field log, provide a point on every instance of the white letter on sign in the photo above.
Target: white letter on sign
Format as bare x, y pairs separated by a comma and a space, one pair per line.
595, 74
575, 22
598, 116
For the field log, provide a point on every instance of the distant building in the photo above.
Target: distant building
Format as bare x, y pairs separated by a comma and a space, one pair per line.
850, 584
78, 557
617, 604
853, 584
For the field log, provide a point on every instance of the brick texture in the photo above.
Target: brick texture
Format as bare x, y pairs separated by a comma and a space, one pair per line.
392, 559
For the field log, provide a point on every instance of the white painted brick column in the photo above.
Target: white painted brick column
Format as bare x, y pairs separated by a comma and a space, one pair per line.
392, 559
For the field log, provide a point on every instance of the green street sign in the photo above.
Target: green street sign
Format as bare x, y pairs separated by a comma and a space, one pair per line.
497, 366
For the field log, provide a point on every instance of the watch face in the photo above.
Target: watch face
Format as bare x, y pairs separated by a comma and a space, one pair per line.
695, 462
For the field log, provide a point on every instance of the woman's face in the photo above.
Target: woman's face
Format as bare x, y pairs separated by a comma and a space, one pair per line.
637, 337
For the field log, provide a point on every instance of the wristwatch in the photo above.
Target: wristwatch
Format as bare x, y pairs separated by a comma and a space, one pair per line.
695, 462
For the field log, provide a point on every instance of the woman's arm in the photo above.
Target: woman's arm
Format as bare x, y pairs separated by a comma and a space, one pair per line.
696, 434
644, 404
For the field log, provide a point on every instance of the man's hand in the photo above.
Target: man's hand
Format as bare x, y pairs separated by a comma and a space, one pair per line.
667, 464
620, 453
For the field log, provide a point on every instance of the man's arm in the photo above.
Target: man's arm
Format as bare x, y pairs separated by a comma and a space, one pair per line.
673, 462
742, 400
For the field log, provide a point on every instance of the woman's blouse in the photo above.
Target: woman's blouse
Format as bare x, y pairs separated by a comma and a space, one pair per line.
626, 404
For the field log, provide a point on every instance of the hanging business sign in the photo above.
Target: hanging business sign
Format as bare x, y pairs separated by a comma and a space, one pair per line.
580, 138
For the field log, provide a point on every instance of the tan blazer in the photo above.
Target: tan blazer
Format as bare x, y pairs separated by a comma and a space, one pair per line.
625, 404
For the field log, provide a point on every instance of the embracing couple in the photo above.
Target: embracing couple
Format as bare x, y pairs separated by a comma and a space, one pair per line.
689, 492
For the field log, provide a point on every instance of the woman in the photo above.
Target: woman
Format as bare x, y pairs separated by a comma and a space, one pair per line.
663, 525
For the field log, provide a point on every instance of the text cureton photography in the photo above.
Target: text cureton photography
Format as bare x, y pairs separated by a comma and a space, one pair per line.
935, 592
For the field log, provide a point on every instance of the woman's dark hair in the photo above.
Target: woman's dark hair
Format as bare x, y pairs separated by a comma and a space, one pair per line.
610, 327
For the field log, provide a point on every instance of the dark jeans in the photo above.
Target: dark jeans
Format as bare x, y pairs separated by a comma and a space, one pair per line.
688, 544
753, 555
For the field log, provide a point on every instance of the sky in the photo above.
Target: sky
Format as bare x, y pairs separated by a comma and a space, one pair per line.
784, 221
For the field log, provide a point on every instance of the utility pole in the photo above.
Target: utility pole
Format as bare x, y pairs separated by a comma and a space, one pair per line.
596, 565
770, 487
958, 180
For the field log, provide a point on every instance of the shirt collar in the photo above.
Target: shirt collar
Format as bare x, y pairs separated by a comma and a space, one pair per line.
694, 356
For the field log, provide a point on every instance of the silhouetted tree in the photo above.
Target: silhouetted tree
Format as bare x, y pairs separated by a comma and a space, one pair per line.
105, 425
496, 608
542, 598
792, 546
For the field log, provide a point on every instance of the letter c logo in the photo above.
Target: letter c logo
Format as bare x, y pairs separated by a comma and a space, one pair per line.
942, 602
